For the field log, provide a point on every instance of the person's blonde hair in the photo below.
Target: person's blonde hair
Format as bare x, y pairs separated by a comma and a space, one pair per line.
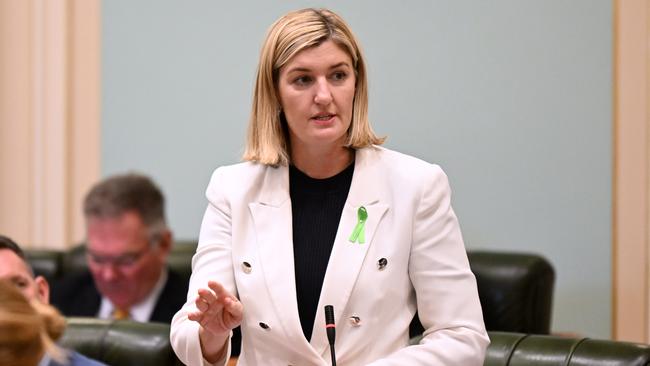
267, 141
28, 330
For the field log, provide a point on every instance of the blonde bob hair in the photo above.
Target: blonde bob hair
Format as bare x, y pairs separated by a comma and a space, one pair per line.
267, 141
28, 329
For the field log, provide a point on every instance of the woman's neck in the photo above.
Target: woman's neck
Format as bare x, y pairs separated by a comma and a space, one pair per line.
322, 163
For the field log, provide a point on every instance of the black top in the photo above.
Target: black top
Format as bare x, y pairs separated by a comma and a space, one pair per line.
316, 211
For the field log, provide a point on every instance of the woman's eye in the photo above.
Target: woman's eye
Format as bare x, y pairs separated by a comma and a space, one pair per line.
339, 75
302, 80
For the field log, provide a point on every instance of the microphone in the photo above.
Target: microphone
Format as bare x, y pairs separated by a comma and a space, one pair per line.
330, 327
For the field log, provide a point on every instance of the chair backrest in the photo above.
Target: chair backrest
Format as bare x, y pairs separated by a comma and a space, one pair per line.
516, 290
121, 343
74, 260
514, 349
180, 257
46, 263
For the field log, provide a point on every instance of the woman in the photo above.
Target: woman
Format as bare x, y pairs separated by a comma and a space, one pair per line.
28, 330
25, 333
320, 215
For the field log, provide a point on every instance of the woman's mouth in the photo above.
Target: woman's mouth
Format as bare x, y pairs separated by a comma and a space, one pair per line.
323, 117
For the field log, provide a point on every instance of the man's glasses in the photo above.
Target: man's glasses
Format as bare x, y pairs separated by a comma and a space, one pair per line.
121, 261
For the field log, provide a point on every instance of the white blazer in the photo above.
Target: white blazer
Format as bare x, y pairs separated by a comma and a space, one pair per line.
246, 244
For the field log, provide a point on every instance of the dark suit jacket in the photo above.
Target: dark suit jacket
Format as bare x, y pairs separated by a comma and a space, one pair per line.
77, 296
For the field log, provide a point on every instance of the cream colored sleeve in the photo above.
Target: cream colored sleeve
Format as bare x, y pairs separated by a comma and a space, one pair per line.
212, 261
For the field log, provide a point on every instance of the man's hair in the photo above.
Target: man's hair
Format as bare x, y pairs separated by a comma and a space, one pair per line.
119, 194
7, 243
268, 141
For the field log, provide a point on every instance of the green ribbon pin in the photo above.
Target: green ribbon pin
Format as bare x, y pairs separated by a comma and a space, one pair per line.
359, 234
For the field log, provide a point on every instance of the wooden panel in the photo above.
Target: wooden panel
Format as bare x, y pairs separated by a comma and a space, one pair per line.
631, 186
49, 117
15, 119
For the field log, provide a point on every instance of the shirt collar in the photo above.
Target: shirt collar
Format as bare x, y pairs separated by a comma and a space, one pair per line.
140, 312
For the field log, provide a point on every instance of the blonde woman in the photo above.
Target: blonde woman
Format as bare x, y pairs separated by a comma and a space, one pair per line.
25, 334
29, 326
320, 215
28, 331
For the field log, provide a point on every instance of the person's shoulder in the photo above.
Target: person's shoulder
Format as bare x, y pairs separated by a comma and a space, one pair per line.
171, 298
176, 281
75, 294
74, 281
173, 275
407, 174
243, 168
236, 180
399, 164
233, 174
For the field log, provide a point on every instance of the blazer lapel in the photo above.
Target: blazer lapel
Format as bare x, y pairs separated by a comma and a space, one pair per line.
347, 257
273, 226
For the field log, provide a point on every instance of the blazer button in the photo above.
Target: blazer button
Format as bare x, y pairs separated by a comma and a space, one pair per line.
246, 267
264, 326
382, 263
355, 321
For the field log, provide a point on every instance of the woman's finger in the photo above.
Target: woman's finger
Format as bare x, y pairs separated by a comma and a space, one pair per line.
195, 316
201, 304
207, 295
219, 290
235, 308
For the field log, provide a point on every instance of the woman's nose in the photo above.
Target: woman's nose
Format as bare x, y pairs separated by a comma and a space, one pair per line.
323, 93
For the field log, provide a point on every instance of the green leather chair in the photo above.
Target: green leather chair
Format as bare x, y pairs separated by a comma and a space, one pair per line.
516, 349
120, 343
46, 263
125, 343
180, 257
515, 290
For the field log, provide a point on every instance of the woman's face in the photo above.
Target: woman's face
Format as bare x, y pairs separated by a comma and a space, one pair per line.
316, 89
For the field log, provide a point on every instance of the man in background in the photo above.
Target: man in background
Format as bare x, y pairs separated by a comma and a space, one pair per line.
15, 269
128, 242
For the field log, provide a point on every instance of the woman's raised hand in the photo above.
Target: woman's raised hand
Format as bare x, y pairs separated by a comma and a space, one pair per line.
218, 311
